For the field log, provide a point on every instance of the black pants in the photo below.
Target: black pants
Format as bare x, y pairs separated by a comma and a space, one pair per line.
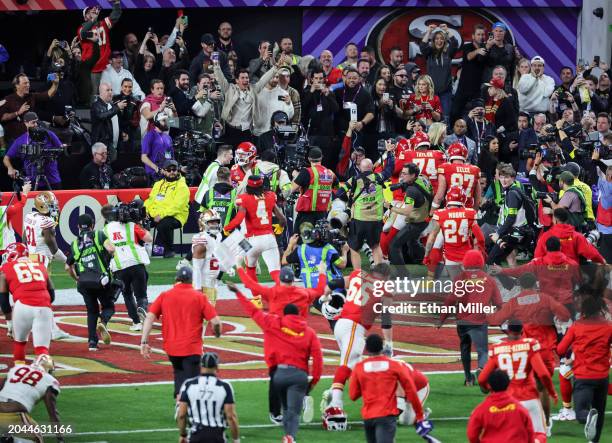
292, 384
165, 232
208, 435
460, 100
310, 217
520, 238
184, 367
407, 237
235, 136
94, 298
134, 280
591, 393
274, 398
605, 247
380, 429
479, 336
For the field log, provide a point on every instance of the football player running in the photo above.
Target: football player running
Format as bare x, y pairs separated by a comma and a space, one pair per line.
256, 208
39, 236
203, 244
24, 386
355, 319
33, 294
454, 227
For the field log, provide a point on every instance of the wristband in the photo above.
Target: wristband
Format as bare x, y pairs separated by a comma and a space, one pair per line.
60, 256
435, 205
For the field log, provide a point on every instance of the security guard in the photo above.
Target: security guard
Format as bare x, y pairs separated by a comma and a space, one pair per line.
128, 263
221, 197
88, 264
316, 184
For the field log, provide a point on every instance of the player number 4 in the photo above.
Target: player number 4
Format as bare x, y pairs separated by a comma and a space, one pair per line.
261, 213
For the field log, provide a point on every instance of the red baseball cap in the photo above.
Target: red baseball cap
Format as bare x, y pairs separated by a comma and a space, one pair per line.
496, 83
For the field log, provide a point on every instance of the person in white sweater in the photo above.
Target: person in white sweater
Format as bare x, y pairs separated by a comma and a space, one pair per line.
270, 99
115, 73
535, 88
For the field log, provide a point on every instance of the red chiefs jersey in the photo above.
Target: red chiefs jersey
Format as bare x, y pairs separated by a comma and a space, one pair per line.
420, 380
464, 175
103, 29
27, 281
456, 226
517, 358
258, 217
420, 100
237, 175
428, 162
362, 294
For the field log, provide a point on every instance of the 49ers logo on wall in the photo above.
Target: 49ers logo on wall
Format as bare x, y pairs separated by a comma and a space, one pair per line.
406, 28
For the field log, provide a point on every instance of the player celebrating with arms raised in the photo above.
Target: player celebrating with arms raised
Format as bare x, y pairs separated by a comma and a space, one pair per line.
256, 208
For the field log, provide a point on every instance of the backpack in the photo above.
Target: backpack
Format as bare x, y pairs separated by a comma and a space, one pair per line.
93, 275
529, 205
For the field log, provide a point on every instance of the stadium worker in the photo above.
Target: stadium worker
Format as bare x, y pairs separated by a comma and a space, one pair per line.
209, 403
182, 310
88, 263
500, 417
376, 380
209, 179
289, 343
168, 205
130, 258
221, 197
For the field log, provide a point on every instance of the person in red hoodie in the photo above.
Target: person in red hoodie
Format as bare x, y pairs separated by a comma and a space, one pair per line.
289, 343
573, 244
500, 417
536, 310
590, 339
376, 379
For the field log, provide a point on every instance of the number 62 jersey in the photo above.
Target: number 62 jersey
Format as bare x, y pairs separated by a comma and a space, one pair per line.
26, 385
27, 282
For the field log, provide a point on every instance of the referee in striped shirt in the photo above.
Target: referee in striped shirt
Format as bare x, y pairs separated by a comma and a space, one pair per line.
209, 401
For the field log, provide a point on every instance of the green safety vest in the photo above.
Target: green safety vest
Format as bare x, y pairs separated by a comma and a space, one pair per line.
498, 193
422, 212
307, 272
578, 218
128, 242
224, 206
94, 249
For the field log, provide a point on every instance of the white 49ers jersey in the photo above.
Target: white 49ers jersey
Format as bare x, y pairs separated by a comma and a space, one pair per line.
26, 385
211, 264
33, 225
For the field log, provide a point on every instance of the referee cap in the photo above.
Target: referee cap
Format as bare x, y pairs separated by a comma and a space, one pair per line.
210, 360
184, 274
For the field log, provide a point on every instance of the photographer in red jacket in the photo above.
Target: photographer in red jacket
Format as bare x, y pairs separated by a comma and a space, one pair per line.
288, 344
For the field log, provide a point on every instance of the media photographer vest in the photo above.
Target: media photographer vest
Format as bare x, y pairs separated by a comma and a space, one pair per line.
423, 188
366, 197
128, 251
310, 257
577, 219
91, 260
317, 197
222, 202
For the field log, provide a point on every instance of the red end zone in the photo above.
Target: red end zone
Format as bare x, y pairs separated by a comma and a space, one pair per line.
240, 348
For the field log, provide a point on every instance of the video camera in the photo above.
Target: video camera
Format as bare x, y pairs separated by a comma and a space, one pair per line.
133, 211
585, 150
37, 147
193, 149
540, 195
400, 185
550, 135
326, 234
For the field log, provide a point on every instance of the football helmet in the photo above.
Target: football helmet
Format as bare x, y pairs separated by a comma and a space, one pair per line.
403, 144
334, 419
44, 362
46, 203
14, 251
333, 307
457, 151
245, 153
420, 140
207, 221
455, 196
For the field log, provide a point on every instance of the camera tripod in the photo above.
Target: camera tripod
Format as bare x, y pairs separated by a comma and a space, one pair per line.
40, 164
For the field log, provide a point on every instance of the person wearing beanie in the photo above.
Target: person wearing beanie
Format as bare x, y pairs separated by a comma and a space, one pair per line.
535, 88
182, 310
210, 404
571, 198
471, 302
521, 359
499, 417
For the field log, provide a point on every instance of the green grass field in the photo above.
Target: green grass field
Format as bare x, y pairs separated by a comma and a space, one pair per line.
145, 414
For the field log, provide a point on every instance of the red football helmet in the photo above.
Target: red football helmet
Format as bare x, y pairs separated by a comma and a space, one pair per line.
14, 251
420, 140
455, 196
457, 151
245, 153
403, 145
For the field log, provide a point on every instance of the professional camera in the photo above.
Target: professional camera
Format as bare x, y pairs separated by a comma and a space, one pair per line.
133, 211
290, 143
573, 131
400, 185
339, 215
332, 236
530, 152
134, 177
192, 149
540, 195
549, 136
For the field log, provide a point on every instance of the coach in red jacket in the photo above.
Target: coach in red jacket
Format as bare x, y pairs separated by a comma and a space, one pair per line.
288, 344
500, 418
573, 243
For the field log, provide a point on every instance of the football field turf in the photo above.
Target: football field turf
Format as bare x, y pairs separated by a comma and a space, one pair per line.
145, 414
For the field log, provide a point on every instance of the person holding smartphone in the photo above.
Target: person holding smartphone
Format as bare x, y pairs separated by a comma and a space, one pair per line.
498, 51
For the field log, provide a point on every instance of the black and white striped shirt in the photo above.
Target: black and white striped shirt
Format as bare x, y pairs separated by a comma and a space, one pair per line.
206, 395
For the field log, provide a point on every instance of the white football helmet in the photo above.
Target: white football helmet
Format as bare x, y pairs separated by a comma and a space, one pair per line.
207, 222
332, 308
44, 362
334, 419
46, 203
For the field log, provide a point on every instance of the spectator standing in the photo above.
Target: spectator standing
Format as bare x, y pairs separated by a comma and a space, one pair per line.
424, 103
174, 59
153, 104
472, 68
262, 64
157, 147
351, 54
100, 28
224, 41
97, 174
526, 136
18, 103
286, 49
207, 107
205, 56
115, 73
105, 119
499, 108
460, 135
478, 128
332, 75
284, 74
289, 343
523, 67
129, 117
604, 209
500, 417
130, 51
363, 68
168, 205
400, 91
396, 59
270, 99
147, 64
182, 310
209, 403
535, 88
180, 95
498, 52
439, 47
81, 70
383, 125
602, 126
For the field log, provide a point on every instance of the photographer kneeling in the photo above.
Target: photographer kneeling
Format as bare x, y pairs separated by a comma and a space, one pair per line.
87, 263
573, 200
168, 205
128, 237
38, 149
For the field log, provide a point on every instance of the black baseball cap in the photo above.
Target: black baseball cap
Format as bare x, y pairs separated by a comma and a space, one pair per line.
207, 39
85, 221
30, 117
286, 274
210, 360
315, 154
184, 274
170, 162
